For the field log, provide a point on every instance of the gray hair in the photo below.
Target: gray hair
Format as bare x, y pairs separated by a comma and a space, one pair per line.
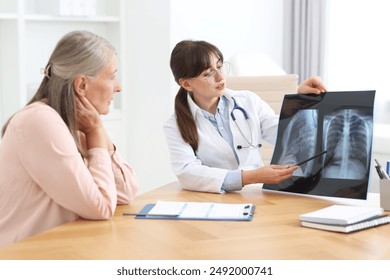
77, 53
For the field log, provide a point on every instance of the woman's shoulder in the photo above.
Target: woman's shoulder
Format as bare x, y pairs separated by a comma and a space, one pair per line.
36, 114
37, 106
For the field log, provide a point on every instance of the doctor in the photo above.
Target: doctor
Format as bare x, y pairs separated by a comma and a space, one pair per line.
215, 135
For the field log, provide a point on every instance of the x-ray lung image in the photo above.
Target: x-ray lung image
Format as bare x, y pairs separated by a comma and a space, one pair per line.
334, 131
347, 137
297, 141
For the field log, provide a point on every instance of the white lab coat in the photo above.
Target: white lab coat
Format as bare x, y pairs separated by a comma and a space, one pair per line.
205, 169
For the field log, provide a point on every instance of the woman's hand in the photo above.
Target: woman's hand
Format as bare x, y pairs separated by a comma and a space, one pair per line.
90, 123
269, 174
88, 119
312, 85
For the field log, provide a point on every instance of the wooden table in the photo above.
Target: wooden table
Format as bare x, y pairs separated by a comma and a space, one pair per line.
273, 234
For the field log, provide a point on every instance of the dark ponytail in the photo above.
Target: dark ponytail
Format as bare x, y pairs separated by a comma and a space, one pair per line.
188, 60
185, 120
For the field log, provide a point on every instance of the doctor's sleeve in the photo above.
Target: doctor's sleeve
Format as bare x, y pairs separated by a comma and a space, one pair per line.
233, 181
189, 170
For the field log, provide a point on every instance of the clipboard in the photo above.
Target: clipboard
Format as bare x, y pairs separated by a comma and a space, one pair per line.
197, 211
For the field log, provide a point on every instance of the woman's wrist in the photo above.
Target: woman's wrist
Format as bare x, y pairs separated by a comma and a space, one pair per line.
96, 138
91, 129
249, 177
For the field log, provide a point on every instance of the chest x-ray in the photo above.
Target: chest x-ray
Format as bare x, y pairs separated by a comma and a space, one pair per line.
334, 131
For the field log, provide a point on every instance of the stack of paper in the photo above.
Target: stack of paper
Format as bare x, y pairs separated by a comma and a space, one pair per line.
345, 218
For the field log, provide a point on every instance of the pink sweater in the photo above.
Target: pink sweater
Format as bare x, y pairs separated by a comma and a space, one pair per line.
44, 182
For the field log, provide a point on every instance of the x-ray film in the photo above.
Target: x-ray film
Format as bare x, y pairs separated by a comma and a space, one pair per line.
334, 130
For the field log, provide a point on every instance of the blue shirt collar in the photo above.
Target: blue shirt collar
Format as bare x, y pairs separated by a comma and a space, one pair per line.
222, 103
195, 108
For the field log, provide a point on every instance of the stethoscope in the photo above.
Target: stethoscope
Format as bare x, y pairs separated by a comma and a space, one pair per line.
251, 142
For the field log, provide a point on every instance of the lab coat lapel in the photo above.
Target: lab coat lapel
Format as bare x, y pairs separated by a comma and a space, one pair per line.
209, 138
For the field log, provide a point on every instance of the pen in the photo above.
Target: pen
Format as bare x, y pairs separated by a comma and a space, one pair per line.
309, 159
380, 170
147, 214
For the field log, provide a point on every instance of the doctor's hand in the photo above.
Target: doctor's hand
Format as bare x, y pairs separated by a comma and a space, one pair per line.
312, 85
269, 174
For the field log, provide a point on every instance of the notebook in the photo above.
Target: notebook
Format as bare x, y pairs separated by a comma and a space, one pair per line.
371, 222
341, 214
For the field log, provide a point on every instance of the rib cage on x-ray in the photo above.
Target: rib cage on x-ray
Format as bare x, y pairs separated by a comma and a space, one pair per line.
299, 141
336, 126
347, 140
